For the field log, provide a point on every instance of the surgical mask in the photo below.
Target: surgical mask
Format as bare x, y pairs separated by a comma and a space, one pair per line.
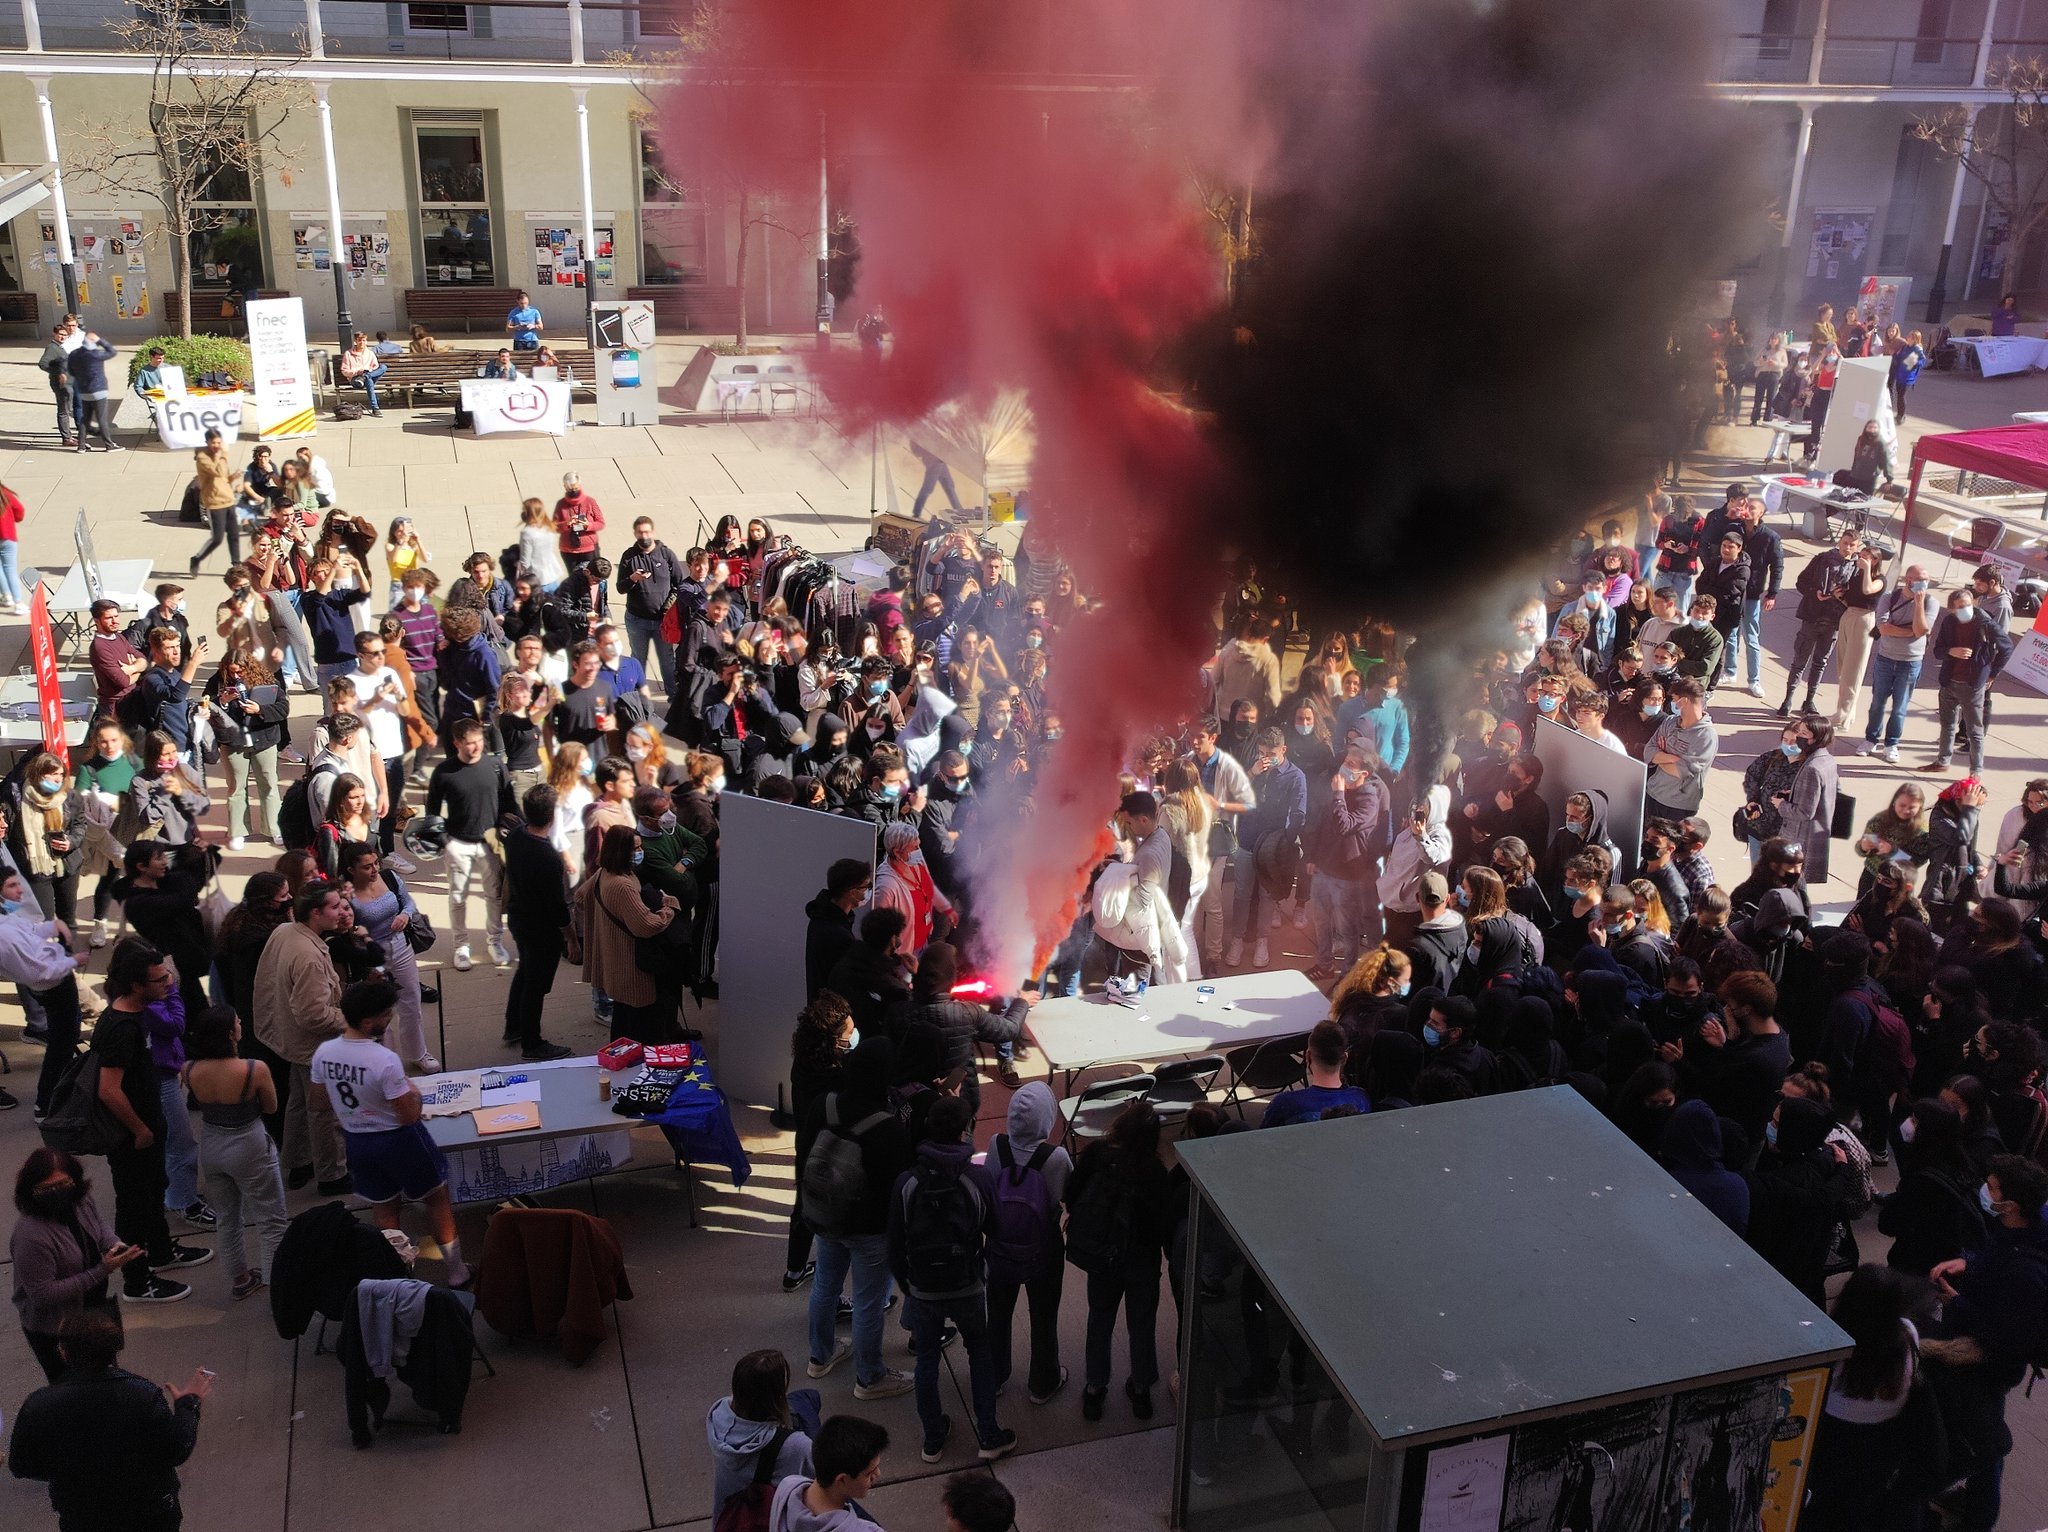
178, 605
9, 906
49, 787
1576, 826
1909, 1130
715, 786
1696, 622
1462, 899
1771, 1134
639, 856
1431, 1037
1790, 750
1917, 586
878, 688
852, 1041
1618, 928
1984, 1201
878, 727
1546, 704
1651, 710
1053, 734
588, 768
667, 822
1966, 614
1304, 729
892, 790
1350, 775
1402, 989
637, 752
1034, 641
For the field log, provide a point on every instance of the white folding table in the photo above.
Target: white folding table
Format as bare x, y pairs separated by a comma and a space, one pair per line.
124, 580
1173, 1020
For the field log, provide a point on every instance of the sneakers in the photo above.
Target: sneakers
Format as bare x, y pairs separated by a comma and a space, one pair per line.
1141, 1400
501, 954
1301, 916
544, 1052
1091, 1403
247, 1284
935, 1443
237, 842
1038, 1398
341, 1186
1001, 1445
1868, 747
463, 961
825, 1368
1236, 954
401, 865
8, 1102
183, 1256
1261, 953
427, 1064
1755, 688
891, 1383
99, 934
1891, 755
201, 1217
156, 1290
1277, 918
792, 1280
291, 755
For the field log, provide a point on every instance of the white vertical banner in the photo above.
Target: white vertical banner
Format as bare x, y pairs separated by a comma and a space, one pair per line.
624, 357
283, 381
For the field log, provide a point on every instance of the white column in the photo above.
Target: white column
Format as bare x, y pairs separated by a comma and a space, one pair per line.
1820, 43
1984, 47
66, 264
316, 36
337, 257
575, 31
32, 25
824, 321
1791, 232
589, 213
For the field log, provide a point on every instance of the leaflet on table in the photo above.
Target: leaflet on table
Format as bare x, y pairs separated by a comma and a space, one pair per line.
450, 1095
506, 1095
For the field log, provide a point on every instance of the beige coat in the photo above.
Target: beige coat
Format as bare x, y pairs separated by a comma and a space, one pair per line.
297, 997
609, 961
217, 477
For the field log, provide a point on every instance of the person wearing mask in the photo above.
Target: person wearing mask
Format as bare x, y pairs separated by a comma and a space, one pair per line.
618, 910
419, 628
1279, 812
1660, 844
1823, 586
108, 1443
824, 1035
1135, 932
1680, 754
1245, 669
761, 1414
1340, 851
1422, 846
830, 916
473, 791
1628, 940
848, 1213
1117, 1222
941, 1211
1856, 627
63, 1253
578, 520
1691, 1152
1808, 813
1797, 1192
1933, 1216
1326, 1086
1967, 651
1450, 1042
297, 1004
650, 577
1992, 1307
1515, 808
1737, 1062
1904, 619
1678, 550
1955, 867
1591, 606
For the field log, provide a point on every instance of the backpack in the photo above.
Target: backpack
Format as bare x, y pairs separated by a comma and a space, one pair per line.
943, 1212
295, 826
78, 1122
1024, 1219
139, 709
1101, 1224
1888, 1043
752, 1508
835, 1179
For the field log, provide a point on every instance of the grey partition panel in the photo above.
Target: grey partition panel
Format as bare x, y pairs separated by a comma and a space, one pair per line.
1573, 763
772, 859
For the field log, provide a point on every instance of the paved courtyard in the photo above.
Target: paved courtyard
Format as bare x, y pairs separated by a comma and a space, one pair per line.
618, 1443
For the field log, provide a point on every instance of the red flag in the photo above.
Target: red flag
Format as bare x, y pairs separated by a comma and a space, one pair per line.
42, 646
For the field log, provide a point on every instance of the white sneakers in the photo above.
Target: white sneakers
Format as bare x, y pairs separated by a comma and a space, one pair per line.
1260, 955
501, 954
1236, 953
462, 960
399, 864
237, 842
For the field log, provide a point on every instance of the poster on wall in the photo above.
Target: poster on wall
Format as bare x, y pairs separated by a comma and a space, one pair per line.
1991, 254
1885, 297
1603, 1468
282, 378
1721, 1442
365, 246
1800, 1397
559, 259
1840, 237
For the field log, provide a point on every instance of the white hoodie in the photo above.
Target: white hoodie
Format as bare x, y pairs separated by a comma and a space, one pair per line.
1410, 858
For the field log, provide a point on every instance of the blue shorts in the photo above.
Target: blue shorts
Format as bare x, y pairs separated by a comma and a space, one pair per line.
399, 1162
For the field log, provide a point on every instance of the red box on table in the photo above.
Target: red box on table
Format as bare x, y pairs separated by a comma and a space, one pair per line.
624, 1053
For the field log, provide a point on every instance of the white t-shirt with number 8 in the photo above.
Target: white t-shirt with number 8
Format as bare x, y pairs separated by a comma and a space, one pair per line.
362, 1079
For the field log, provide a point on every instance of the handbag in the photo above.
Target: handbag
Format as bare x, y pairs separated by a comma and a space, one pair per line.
659, 955
1843, 825
214, 905
672, 622
419, 931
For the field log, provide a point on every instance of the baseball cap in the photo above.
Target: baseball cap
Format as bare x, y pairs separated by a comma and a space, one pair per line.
1434, 889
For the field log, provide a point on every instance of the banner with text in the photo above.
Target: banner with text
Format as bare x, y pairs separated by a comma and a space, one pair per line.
42, 645
182, 420
283, 377
531, 404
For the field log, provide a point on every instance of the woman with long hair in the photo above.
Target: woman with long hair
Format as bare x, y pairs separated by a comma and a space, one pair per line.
523, 734
64, 1254
46, 836
1933, 1216
1117, 1223
266, 905
163, 794
742, 1426
1325, 672
649, 755
350, 819
251, 761
824, 1035
383, 910
569, 774
2020, 871
1187, 815
1910, 957
1650, 906
2004, 963
404, 553
1896, 834
540, 547
1879, 1452
615, 916
243, 1181
1766, 784
1500, 946
1887, 898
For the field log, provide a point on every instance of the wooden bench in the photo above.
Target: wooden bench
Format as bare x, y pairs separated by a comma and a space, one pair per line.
208, 299
445, 371
690, 308
439, 307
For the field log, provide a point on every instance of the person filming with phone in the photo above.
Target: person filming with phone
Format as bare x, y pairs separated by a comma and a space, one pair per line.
64, 1254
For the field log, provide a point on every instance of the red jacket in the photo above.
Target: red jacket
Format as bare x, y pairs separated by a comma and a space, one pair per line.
586, 505
12, 513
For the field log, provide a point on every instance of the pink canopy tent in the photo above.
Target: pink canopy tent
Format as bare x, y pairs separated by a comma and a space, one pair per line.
2017, 453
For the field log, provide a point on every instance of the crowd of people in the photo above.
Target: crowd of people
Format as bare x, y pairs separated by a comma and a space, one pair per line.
555, 728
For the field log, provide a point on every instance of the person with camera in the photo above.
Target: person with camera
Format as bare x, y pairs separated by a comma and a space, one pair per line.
578, 520
650, 577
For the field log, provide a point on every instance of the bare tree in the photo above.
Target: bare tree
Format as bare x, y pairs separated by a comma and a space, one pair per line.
704, 88
2005, 148
1230, 208
218, 100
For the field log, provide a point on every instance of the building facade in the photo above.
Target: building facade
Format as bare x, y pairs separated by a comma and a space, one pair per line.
456, 145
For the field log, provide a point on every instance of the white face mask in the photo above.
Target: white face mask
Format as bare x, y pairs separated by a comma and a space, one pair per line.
637, 752
715, 786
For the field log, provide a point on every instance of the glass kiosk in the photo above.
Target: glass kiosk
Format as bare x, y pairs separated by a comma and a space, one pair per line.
1490, 1314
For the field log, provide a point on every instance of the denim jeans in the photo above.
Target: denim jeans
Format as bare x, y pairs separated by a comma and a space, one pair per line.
1891, 681
10, 572
1748, 632
1340, 910
1248, 900
1681, 588
181, 1149
369, 382
643, 633
866, 1256
927, 1323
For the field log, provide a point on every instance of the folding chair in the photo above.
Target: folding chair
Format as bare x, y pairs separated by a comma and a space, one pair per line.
1089, 1114
1266, 1069
1181, 1084
1985, 534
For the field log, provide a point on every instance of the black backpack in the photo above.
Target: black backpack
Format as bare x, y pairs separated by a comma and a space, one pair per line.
295, 826
1101, 1224
78, 1122
835, 1180
943, 1214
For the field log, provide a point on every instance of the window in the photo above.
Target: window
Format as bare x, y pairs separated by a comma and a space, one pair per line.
437, 18
1780, 22
1932, 32
226, 243
455, 209
672, 243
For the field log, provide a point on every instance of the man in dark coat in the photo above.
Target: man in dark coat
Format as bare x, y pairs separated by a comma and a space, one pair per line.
830, 913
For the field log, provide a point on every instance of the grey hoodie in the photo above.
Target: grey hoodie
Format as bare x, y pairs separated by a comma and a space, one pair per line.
1032, 1110
736, 1446
1410, 858
790, 1514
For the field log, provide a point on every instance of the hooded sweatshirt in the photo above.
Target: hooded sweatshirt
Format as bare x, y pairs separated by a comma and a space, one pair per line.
1410, 857
1032, 1114
1245, 671
790, 1514
1691, 1151
736, 1446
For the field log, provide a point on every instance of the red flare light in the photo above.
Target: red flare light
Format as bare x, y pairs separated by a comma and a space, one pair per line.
973, 989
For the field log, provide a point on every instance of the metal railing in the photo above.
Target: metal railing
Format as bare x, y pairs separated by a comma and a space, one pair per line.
1765, 58
1899, 61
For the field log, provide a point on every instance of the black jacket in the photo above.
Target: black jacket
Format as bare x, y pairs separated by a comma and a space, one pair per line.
868, 983
647, 598
885, 1151
825, 941
536, 885
265, 728
436, 1367
109, 1445
325, 1252
1470, 1059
